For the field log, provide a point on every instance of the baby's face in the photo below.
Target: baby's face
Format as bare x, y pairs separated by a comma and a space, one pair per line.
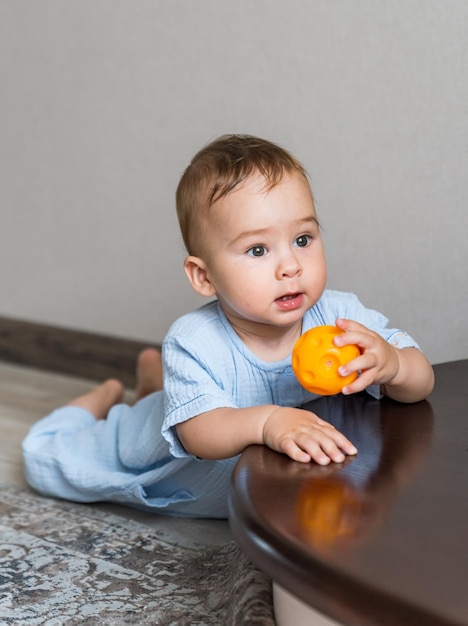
264, 254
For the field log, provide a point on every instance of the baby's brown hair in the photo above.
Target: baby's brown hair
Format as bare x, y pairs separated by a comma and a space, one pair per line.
218, 168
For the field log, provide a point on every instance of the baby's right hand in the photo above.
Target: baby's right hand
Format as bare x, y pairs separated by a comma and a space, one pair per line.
305, 437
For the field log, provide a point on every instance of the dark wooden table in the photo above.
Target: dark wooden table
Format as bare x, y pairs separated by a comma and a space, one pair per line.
382, 538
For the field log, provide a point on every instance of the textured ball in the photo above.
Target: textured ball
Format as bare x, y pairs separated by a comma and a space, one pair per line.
316, 359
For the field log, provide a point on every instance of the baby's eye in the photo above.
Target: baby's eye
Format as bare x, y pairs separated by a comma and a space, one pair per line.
257, 251
303, 241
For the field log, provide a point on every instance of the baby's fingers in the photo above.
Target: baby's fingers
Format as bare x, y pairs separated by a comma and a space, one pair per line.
364, 380
295, 452
321, 448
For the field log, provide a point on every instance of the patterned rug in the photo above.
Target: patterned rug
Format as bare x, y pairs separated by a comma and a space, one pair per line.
65, 563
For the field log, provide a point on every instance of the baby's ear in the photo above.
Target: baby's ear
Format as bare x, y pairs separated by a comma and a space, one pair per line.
196, 271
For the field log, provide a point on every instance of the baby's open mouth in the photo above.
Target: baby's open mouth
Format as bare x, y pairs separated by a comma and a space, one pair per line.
290, 296
290, 302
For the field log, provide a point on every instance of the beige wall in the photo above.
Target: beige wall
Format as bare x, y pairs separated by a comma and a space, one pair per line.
103, 102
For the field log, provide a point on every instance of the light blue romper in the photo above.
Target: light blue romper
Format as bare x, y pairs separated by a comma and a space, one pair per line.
134, 457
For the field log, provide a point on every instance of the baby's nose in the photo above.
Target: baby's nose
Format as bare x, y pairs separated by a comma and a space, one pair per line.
289, 266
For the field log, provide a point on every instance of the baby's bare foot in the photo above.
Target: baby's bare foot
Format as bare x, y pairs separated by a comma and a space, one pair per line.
100, 400
148, 373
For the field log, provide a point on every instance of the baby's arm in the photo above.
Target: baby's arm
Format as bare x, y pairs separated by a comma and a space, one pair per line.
414, 380
403, 374
300, 434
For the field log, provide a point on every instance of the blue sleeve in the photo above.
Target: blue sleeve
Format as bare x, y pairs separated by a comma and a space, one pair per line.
193, 385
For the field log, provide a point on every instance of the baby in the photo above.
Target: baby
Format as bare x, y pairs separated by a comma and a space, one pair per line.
248, 221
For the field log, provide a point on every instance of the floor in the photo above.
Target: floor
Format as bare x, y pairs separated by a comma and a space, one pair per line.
26, 395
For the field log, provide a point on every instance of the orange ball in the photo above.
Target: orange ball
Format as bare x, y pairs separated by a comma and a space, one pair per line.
316, 359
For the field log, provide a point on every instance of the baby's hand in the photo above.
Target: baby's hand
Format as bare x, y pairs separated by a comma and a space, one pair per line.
378, 362
304, 437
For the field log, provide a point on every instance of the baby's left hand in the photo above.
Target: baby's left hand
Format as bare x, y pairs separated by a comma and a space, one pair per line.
378, 363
